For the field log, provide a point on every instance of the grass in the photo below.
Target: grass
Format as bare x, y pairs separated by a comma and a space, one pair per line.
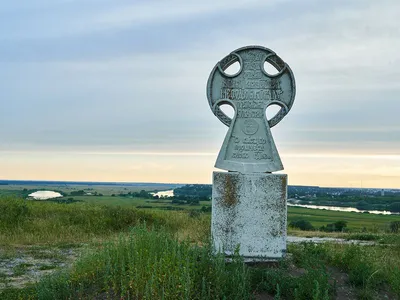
32, 222
318, 218
145, 264
21, 269
135, 202
370, 268
154, 254
47, 267
312, 283
355, 221
155, 264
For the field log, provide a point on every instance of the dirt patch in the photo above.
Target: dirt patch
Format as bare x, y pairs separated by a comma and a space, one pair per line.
340, 280
263, 296
24, 265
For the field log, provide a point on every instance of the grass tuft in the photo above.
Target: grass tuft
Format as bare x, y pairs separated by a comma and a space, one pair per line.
149, 264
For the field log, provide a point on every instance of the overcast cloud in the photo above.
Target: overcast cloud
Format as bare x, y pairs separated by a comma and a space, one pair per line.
113, 76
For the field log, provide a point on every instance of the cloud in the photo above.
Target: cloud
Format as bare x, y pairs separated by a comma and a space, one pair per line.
68, 18
118, 77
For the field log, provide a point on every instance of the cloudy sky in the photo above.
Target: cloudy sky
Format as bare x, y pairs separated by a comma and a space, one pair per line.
114, 90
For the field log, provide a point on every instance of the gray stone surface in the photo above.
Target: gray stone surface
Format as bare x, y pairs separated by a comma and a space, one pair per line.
250, 210
248, 146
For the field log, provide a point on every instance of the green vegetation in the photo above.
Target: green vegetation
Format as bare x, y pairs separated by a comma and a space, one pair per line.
27, 222
338, 226
388, 203
369, 268
132, 253
310, 280
33, 222
198, 192
21, 269
302, 225
154, 264
150, 265
355, 221
395, 226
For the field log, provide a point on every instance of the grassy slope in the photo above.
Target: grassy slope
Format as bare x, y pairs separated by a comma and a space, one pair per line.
107, 268
32, 222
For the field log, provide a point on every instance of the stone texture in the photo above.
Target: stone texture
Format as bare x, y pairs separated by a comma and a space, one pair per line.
250, 210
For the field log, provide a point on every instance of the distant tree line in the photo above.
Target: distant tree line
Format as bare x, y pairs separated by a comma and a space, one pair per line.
305, 225
201, 192
83, 193
142, 194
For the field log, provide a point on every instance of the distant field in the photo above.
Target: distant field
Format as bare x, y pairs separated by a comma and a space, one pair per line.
356, 221
13, 189
124, 201
317, 218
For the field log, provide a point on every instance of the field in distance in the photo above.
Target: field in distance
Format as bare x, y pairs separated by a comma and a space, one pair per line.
128, 196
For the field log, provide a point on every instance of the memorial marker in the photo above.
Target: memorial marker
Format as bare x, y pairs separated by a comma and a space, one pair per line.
249, 202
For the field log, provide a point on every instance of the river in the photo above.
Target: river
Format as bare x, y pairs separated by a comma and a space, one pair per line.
44, 195
170, 193
346, 209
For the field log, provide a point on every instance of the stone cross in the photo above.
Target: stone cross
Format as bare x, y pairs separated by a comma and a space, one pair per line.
248, 146
249, 210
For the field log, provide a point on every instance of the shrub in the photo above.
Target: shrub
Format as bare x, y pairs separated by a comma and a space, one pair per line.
13, 212
394, 226
335, 227
395, 207
302, 225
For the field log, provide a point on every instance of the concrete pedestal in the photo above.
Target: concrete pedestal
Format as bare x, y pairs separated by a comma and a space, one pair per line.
250, 210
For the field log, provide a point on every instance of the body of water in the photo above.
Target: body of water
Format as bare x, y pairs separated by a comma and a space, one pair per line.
347, 209
169, 193
44, 195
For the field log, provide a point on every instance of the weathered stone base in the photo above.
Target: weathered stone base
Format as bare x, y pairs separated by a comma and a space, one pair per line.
250, 210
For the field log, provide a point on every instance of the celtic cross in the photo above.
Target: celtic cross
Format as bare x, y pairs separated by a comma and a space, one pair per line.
248, 146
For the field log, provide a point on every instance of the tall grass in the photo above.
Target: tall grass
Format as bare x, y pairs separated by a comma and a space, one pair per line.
148, 264
32, 222
167, 255
370, 268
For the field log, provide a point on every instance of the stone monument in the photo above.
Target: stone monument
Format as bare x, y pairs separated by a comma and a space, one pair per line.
249, 202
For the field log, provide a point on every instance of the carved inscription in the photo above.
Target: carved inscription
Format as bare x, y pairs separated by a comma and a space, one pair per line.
250, 148
250, 84
250, 113
250, 104
253, 94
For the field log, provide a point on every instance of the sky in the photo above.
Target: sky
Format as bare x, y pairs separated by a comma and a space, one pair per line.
115, 90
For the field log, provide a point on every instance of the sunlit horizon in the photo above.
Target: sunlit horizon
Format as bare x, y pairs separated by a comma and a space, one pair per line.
117, 91
312, 169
